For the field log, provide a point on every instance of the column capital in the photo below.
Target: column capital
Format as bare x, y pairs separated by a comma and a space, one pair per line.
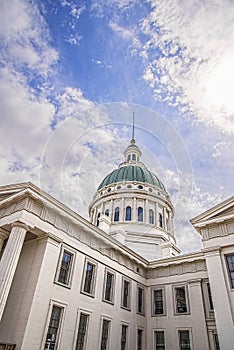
3, 233
19, 224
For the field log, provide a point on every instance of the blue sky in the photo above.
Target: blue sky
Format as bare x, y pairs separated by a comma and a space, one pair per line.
73, 72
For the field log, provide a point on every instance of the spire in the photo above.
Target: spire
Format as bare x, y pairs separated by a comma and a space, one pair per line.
133, 128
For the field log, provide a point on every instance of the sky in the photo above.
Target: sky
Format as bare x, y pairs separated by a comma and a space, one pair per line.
73, 72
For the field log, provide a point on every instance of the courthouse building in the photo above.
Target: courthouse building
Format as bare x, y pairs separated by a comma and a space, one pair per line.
118, 281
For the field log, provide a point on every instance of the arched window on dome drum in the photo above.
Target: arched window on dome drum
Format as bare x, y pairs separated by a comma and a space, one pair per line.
140, 214
133, 157
98, 218
128, 214
151, 216
129, 157
116, 216
160, 220
107, 213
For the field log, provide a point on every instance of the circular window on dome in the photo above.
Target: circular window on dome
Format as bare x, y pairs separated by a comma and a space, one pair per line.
129, 186
118, 187
150, 189
109, 189
140, 187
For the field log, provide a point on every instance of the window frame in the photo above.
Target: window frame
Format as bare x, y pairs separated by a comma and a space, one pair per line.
229, 270
116, 214
111, 301
128, 307
109, 320
151, 216
141, 330
179, 331
124, 324
163, 301
140, 214
139, 286
128, 215
88, 314
63, 307
182, 286
72, 252
155, 338
93, 281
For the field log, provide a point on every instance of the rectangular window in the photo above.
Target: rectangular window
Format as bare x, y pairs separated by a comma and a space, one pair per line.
230, 265
158, 302
105, 334
180, 299
126, 294
54, 327
124, 334
140, 300
89, 277
184, 340
216, 341
82, 332
139, 339
65, 268
109, 281
210, 297
159, 340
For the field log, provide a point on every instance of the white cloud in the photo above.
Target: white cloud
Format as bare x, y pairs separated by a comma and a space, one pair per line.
187, 205
24, 37
190, 50
125, 33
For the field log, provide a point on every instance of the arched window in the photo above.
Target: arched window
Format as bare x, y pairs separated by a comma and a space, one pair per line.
128, 214
98, 218
116, 217
133, 157
107, 213
129, 157
151, 216
140, 214
160, 220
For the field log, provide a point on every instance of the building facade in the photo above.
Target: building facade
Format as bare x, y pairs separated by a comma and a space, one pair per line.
117, 281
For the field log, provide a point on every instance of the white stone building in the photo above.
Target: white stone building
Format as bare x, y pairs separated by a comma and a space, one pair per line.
118, 281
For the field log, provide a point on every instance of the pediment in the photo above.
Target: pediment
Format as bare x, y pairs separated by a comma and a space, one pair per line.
222, 211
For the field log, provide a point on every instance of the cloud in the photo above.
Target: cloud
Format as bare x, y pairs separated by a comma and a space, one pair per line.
25, 39
189, 55
187, 205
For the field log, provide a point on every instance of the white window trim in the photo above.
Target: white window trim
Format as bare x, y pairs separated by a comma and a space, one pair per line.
143, 301
113, 286
93, 287
183, 285
143, 336
79, 312
154, 336
130, 293
54, 302
164, 301
73, 253
110, 319
178, 329
128, 345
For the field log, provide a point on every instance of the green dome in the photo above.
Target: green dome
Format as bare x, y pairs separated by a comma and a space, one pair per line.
132, 173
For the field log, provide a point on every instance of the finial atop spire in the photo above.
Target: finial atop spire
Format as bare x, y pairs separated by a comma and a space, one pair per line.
133, 127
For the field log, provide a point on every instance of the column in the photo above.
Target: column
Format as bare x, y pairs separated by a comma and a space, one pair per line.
156, 215
146, 218
10, 260
122, 211
164, 218
134, 212
222, 307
